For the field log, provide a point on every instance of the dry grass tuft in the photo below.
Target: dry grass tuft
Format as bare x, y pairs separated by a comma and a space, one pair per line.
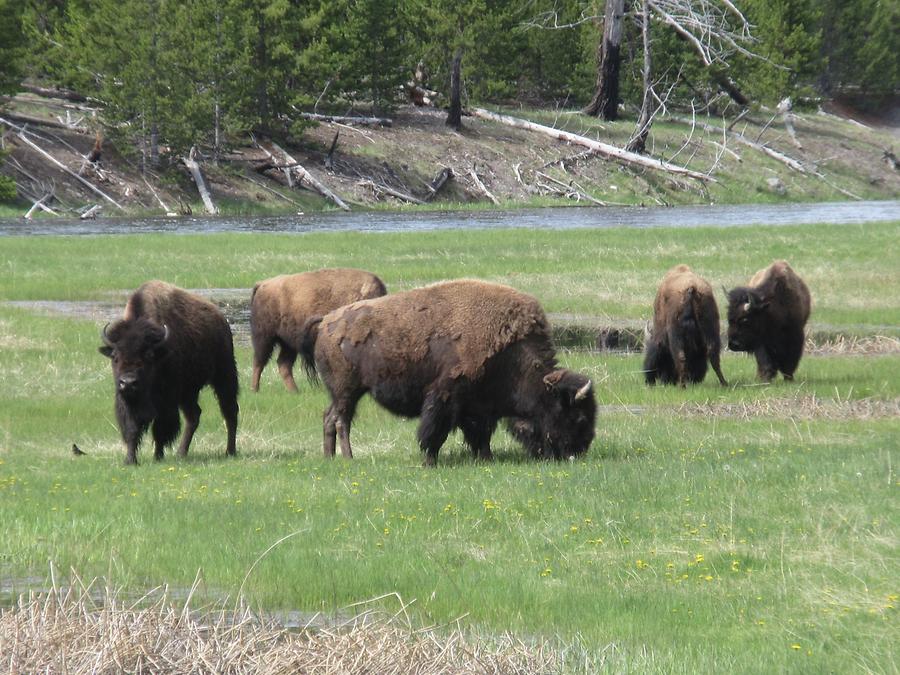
800, 407
70, 631
844, 346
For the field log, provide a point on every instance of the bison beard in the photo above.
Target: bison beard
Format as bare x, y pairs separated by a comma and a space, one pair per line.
685, 331
169, 345
459, 355
768, 317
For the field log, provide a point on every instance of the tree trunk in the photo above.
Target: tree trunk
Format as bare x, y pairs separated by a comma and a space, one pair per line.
605, 103
645, 119
454, 116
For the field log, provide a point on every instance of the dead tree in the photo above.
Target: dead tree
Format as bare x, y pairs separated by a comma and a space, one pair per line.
605, 102
645, 119
454, 116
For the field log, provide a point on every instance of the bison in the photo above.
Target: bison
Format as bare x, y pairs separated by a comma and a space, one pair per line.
279, 307
166, 348
767, 318
685, 331
458, 354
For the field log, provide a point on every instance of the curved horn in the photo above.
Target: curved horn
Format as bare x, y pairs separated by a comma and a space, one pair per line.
105, 337
165, 334
584, 391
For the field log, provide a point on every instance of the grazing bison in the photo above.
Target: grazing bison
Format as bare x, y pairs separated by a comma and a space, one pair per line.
459, 354
280, 306
166, 348
685, 330
767, 318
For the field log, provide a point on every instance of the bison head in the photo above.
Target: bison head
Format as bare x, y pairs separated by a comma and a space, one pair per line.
564, 426
135, 348
746, 319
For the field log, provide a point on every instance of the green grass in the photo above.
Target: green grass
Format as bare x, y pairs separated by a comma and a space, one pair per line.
683, 542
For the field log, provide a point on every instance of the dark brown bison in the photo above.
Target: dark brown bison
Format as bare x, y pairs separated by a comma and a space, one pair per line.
166, 348
767, 318
459, 354
685, 330
280, 306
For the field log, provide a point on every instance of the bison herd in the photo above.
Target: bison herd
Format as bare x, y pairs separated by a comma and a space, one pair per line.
461, 354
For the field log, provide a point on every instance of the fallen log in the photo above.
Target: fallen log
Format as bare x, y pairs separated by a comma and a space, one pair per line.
191, 163
743, 140
40, 121
481, 187
62, 166
66, 94
439, 182
39, 204
91, 213
294, 166
601, 148
341, 119
379, 187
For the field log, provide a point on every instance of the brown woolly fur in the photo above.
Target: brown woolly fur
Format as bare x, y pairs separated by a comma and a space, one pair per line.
280, 306
460, 354
480, 318
768, 318
166, 348
685, 330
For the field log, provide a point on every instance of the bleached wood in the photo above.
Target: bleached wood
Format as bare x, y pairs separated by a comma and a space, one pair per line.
294, 166
46, 155
601, 148
191, 163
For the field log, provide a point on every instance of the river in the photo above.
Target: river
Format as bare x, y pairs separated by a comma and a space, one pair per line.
559, 218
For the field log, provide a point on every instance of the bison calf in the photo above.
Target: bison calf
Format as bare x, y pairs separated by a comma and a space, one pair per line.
459, 354
280, 306
685, 330
166, 348
768, 318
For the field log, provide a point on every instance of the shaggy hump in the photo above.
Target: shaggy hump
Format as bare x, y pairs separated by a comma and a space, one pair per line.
479, 318
780, 275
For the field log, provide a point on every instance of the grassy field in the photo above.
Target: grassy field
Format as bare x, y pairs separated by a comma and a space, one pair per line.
747, 529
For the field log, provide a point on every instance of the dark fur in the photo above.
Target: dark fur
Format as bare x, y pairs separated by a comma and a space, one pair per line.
458, 355
280, 306
685, 331
768, 317
169, 345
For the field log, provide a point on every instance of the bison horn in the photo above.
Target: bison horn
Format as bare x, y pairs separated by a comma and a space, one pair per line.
584, 391
165, 334
105, 337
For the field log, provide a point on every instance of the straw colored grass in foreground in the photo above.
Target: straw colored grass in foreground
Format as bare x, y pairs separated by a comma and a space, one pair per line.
70, 631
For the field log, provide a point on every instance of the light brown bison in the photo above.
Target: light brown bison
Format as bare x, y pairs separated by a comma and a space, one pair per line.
459, 354
685, 330
166, 348
768, 318
280, 306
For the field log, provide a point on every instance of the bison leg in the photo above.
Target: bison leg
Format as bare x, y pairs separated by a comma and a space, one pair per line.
131, 430
793, 351
286, 358
226, 388
191, 421
434, 425
336, 424
165, 429
765, 365
477, 432
262, 352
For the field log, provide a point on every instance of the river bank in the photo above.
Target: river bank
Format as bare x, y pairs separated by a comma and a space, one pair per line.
492, 166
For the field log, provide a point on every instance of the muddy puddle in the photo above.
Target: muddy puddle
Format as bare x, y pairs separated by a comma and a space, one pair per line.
561, 218
570, 331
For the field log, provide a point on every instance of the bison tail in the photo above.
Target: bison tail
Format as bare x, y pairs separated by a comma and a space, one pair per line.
308, 336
